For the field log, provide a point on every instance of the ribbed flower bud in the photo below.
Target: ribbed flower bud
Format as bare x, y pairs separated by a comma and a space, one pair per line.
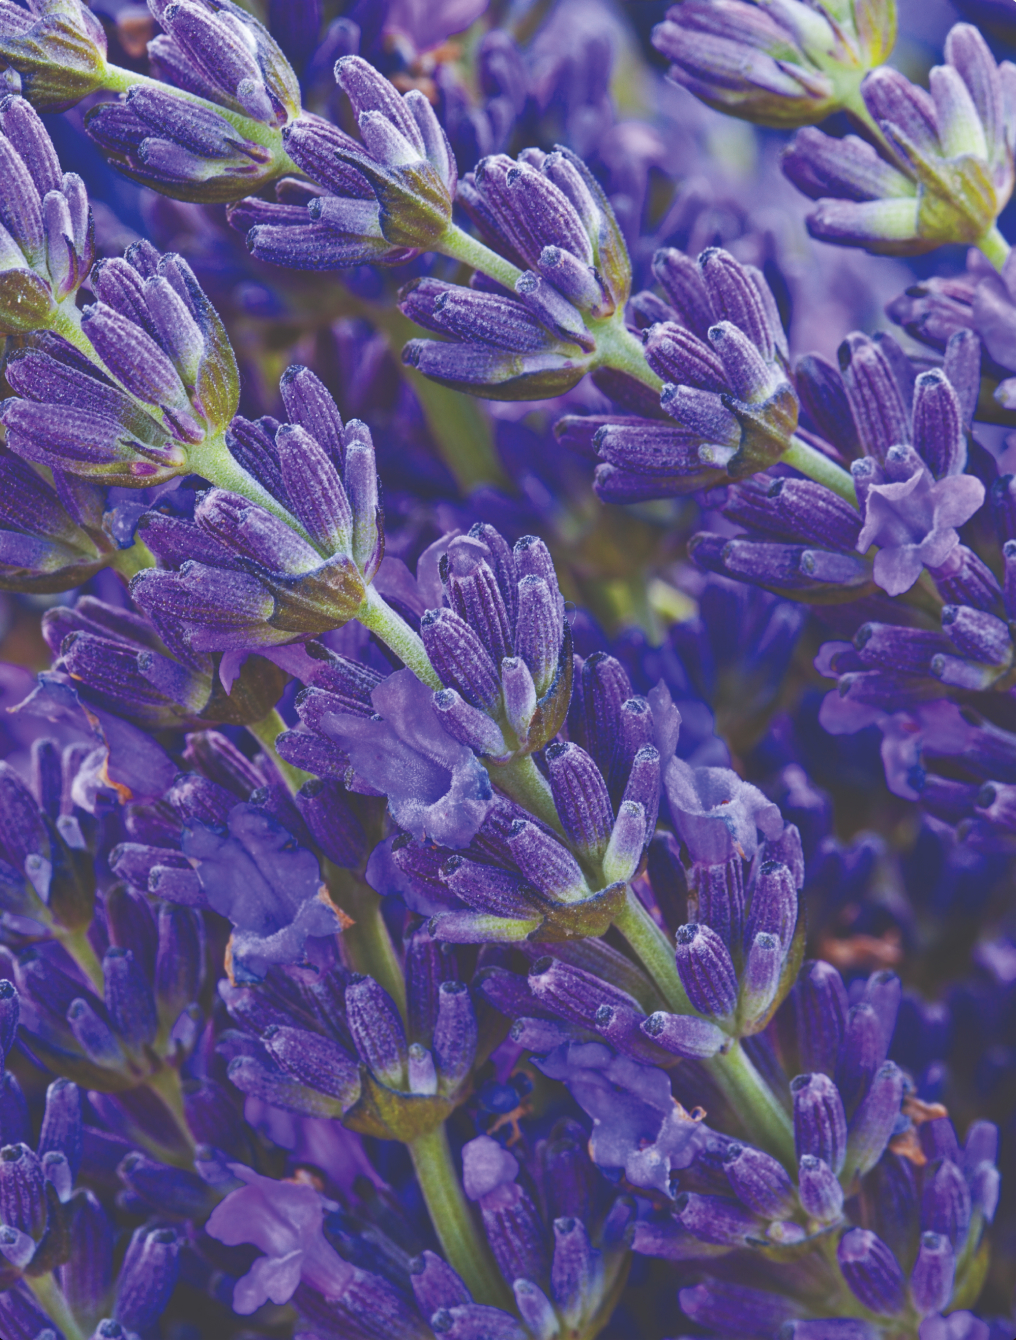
57, 48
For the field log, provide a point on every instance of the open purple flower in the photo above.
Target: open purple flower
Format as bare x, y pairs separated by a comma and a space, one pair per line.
913, 518
436, 787
284, 1219
637, 1125
717, 814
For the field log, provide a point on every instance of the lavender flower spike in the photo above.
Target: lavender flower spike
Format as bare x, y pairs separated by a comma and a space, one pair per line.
947, 170
46, 230
58, 50
786, 67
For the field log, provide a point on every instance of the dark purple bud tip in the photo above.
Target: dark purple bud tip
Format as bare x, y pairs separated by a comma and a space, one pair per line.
686, 934
541, 966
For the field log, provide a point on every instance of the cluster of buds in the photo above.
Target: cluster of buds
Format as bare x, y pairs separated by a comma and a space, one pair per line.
736, 960
718, 344
546, 214
911, 484
497, 872
852, 1140
111, 659
230, 838
946, 167
238, 575
159, 380
372, 202
55, 50
46, 230
50, 1230
788, 66
557, 1233
332, 1043
210, 132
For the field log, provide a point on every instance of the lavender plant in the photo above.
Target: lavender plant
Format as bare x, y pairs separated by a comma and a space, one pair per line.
519, 871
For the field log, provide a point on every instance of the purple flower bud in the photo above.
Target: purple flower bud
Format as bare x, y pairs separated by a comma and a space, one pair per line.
468, 724
332, 822
945, 1207
760, 1181
978, 634
314, 1061
573, 994
820, 1192
62, 1130
931, 1281
580, 796
574, 1274
736, 1309
435, 1284
863, 1051
676, 355
455, 1035
707, 970
519, 694
820, 1123
93, 1035
939, 425
761, 980
684, 1035
22, 1191
472, 1321
546, 862
147, 1277
460, 658
820, 387
873, 1123
717, 1219
716, 896
273, 1086
129, 999
179, 966
171, 1190
10, 1012
871, 1271
377, 1030
773, 904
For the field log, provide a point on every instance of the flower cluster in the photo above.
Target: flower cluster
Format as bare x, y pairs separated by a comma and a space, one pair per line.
517, 871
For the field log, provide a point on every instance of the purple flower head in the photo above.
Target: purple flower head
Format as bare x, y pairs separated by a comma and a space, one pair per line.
770, 67
951, 170
59, 60
717, 814
155, 331
636, 1124
48, 239
436, 787
293, 563
283, 1219
913, 519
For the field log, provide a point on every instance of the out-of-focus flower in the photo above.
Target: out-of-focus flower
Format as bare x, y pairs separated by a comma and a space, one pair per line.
786, 66
946, 170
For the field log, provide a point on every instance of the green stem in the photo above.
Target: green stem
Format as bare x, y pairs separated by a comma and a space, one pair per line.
395, 633
266, 732
366, 942
463, 1243
523, 781
994, 246
764, 1117
471, 251
618, 348
80, 949
819, 467
120, 80
54, 1304
655, 951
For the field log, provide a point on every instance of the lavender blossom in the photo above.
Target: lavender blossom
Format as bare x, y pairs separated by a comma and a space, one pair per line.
946, 169
791, 67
